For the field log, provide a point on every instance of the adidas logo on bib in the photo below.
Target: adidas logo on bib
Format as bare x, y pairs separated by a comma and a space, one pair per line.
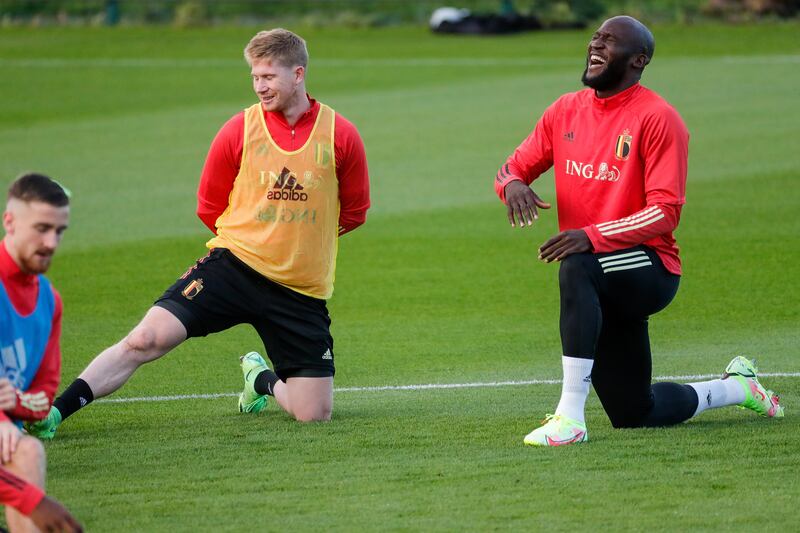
287, 188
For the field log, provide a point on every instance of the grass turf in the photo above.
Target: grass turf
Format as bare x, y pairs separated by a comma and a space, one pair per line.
435, 288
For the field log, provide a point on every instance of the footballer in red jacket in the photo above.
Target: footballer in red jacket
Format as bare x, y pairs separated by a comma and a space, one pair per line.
34, 221
619, 154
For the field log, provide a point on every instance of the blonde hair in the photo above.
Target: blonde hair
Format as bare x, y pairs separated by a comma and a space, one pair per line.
281, 45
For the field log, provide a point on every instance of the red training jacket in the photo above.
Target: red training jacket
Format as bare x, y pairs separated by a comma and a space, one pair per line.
620, 168
18, 493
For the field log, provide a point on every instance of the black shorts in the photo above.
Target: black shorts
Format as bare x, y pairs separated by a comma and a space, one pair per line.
220, 291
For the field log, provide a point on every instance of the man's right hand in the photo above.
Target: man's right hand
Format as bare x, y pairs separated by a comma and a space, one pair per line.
522, 203
8, 395
50, 515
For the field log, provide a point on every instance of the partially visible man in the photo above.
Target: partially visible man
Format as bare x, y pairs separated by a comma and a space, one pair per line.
620, 156
36, 216
45, 512
282, 182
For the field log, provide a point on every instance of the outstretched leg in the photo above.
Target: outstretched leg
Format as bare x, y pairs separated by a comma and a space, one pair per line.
740, 386
157, 333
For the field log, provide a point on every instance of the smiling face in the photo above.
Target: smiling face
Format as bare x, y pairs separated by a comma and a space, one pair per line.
616, 56
278, 87
33, 232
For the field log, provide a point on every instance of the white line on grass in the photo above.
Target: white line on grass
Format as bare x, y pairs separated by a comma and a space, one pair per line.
428, 386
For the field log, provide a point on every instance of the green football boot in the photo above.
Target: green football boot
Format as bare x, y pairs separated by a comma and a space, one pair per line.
757, 398
249, 400
45, 429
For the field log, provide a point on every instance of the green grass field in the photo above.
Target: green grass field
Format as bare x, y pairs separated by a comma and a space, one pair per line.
435, 288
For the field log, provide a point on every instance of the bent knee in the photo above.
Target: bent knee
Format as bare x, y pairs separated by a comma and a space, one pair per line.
625, 417
575, 266
29, 451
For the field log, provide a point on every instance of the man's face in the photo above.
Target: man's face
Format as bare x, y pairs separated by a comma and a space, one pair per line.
608, 57
275, 84
33, 232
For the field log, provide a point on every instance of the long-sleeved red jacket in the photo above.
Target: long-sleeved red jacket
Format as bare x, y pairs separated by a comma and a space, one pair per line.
18, 493
620, 168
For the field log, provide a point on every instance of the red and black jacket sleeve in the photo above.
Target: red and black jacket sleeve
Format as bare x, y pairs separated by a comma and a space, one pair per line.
18, 493
531, 158
665, 145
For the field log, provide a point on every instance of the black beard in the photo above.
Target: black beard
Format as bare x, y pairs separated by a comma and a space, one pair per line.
611, 77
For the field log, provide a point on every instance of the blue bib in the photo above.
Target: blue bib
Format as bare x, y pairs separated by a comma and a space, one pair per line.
23, 339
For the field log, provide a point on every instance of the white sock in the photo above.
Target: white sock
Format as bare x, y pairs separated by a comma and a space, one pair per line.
575, 387
717, 393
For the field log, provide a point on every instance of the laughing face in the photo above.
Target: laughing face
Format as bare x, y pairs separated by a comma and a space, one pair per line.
608, 57
33, 232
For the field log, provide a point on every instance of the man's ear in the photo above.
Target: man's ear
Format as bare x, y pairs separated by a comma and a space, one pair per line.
640, 61
8, 222
299, 74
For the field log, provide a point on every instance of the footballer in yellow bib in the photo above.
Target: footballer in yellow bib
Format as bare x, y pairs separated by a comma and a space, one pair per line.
283, 180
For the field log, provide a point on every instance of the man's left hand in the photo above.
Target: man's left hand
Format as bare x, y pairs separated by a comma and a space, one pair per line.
9, 437
572, 241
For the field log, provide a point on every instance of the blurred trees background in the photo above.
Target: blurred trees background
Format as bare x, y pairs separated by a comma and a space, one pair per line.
372, 12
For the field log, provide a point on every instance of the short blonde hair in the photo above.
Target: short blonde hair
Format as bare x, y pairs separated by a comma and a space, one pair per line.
281, 45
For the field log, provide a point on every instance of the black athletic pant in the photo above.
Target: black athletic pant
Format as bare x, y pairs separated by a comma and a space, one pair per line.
606, 300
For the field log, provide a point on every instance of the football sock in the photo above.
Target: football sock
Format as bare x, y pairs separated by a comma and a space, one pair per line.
265, 382
575, 387
717, 393
76, 396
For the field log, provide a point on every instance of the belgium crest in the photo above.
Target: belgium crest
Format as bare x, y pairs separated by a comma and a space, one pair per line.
193, 289
623, 146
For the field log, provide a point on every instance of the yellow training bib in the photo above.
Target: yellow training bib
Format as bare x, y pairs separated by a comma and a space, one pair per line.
282, 217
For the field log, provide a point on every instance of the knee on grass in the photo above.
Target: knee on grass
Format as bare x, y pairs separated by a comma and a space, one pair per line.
313, 413
627, 423
626, 416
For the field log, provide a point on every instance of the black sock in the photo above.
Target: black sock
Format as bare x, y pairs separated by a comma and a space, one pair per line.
76, 396
265, 382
